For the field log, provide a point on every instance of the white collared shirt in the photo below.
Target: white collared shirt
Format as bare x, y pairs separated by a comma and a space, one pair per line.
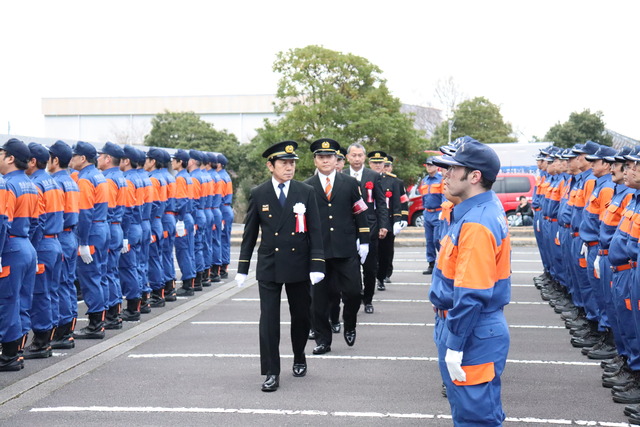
277, 190
356, 174
323, 179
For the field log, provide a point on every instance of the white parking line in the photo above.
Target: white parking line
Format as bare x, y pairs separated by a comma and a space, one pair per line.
254, 323
398, 300
308, 412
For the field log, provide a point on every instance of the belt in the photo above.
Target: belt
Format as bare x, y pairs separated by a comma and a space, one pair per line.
171, 213
50, 236
434, 210
623, 267
226, 204
575, 234
99, 221
603, 252
537, 209
440, 313
215, 207
115, 223
68, 229
592, 243
566, 225
551, 219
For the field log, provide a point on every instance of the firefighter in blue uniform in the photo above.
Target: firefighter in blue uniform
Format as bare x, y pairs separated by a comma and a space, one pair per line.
216, 203
143, 255
207, 235
227, 215
169, 229
471, 285
431, 189
184, 245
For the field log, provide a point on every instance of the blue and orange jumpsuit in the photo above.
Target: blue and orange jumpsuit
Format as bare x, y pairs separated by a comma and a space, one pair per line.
199, 203
117, 183
159, 194
470, 287
227, 217
431, 189
93, 231
144, 193
216, 204
207, 194
132, 231
185, 244
169, 229
536, 205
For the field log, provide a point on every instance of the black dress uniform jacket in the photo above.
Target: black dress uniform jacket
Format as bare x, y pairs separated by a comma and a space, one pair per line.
284, 255
377, 213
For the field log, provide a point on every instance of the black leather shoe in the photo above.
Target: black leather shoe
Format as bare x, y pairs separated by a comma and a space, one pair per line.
312, 335
387, 280
634, 419
631, 395
350, 337
429, 269
335, 327
368, 308
299, 369
271, 383
381, 286
631, 409
322, 349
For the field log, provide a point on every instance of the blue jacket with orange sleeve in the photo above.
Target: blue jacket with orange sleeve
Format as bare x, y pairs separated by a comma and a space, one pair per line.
145, 193
132, 207
159, 186
170, 206
184, 194
71, 198
618, 248
227, 197
196, 179
93, 202
117, 183
579, 197
538, 193
3, 214
594, 208
473, 273
612, 213
53, 202
218, 183
23, 207
206, 190
431, 189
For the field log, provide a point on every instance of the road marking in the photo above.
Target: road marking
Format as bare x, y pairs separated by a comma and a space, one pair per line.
345, 357
254, 323
308, 412
397, 300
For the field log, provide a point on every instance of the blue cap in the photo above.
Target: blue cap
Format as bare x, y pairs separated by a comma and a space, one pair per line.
634, 154
195, 155
602, 152
181, 155
62, 151
473, 155
156, 154
82, 148
130, 153
212, 158
39, 152
429, 161
454, 145
17, 149
112, 150
589, 147
222, 159
619, 156
566, 153
166, 157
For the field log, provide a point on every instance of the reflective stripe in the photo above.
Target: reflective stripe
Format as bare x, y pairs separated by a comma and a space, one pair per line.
478, 374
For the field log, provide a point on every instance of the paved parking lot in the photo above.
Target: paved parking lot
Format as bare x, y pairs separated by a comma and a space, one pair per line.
195, 362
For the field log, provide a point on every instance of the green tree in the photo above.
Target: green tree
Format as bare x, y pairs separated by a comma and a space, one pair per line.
478, 118
579, 128
341, 96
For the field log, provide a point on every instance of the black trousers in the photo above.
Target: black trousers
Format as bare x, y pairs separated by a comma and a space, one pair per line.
385, 256
370, 270
299, 300
342, 277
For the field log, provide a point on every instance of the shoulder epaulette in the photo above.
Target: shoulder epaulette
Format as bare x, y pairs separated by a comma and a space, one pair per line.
390, 174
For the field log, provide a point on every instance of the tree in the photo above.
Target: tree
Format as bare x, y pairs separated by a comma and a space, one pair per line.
478, 118
449, 96
578, 129
341, 96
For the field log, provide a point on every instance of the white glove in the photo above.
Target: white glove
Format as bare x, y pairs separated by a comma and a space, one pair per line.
125, 246
538, 225
396, 228
240, 278
453, 359
403, 224
558, 235
180, 231
222, 226
0, 264
85, 254
358, 245
596, 267
584, 250
315, 277
363, 252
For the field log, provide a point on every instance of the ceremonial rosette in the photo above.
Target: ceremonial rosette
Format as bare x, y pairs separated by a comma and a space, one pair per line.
301, 221
388, 195
369, 187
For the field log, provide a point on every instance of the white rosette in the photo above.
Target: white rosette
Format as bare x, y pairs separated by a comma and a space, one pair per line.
299, 209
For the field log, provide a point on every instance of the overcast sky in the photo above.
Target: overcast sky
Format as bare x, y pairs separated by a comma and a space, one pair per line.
538, 60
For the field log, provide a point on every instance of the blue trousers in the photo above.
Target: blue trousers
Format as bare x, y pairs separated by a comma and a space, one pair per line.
68, 301
478, 403
621, 292
16, 288
216, 247
225, 238
113, 260
128, 264
610, 314
169, 230
207, 250
143, 256
582, 280
185, 250
431, 233
44, 307
156, 271
201, 223
90, 275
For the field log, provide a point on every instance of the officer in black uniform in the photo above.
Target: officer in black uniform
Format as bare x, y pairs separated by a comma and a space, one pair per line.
340, 205
377, 216
290, 254
404, 212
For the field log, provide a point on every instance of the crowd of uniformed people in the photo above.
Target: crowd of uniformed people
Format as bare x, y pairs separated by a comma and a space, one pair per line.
587, 224
103, 226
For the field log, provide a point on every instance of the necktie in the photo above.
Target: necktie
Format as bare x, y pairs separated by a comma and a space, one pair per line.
282, 198
327, 189
357, 176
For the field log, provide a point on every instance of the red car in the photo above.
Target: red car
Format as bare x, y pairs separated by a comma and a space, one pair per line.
508, 186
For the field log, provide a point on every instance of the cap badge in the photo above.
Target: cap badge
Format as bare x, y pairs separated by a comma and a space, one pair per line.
288, 149
377, 155
326, 144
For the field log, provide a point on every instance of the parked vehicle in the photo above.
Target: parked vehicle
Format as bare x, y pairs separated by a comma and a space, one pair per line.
508, 187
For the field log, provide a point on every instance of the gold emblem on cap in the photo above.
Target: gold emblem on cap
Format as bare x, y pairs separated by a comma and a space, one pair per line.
288, 149
377, 155
326, 144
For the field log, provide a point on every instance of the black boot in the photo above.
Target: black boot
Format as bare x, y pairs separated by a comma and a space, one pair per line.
197, 283
157, 298
205, 278
187, 288
223, 271
145, 307
170, 290
132, 312
40, 347
9, 359
214, 275
63, 336
429, 270
95, 329
112, 319
607, 350
79, 295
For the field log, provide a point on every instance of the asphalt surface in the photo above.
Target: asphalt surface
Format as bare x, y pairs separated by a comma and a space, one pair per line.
195, 363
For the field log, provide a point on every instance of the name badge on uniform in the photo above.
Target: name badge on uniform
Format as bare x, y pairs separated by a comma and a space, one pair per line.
265, 208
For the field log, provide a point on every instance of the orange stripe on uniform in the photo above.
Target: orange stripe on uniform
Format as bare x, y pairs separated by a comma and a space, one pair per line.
6, 271
478, 374
86, 198
28, 207
40, 269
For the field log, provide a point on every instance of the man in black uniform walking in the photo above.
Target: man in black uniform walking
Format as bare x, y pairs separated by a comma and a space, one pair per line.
377, 215
290, 254
340, 205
